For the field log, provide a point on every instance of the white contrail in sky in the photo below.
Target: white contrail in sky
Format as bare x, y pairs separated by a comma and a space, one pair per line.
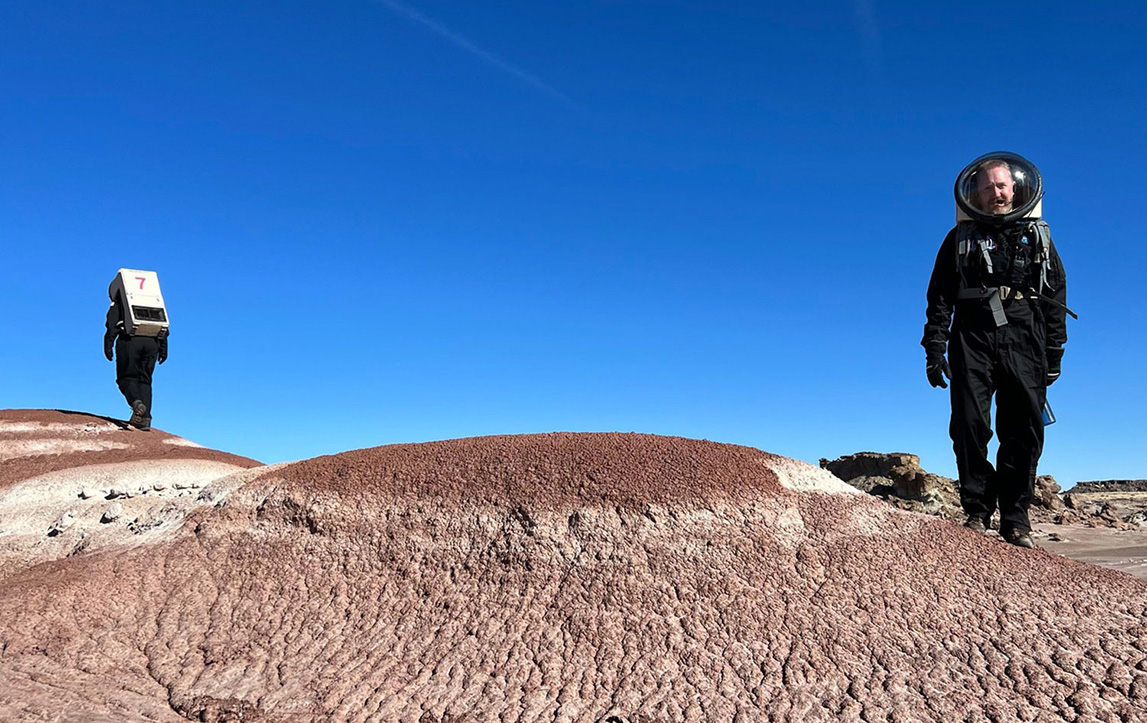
869, 31
485, 55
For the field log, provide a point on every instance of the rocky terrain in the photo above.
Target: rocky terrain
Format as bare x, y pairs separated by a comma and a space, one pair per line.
1111, 485
558, 577
72, 482
1096, 522
1124, 501
898, 479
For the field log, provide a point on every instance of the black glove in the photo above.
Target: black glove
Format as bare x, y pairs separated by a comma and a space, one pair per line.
937, 369
161, 341
1054, 359
108, 351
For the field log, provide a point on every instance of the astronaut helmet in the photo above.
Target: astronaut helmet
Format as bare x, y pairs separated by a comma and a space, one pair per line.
998, 188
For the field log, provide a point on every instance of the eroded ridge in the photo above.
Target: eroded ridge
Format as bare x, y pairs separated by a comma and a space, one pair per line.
72, 483
569, 578
36, 442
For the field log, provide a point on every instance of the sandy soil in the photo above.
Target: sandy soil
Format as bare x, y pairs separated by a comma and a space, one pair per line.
1121, 550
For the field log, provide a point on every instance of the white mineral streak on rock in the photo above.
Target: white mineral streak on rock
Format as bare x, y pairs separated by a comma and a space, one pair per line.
181, 442
803, 477
27, 508
55, 427
788, 528
13, 449
62, 523
30, 505
862, 520
220, 488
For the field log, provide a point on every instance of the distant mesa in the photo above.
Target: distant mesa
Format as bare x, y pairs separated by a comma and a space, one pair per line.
1111, 485
557, 577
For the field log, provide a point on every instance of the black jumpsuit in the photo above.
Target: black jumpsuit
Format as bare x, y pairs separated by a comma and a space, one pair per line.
1010, 361
135, 358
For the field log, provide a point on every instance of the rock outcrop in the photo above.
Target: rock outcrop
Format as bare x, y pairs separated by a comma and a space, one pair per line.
1106, 504
564, 577
73, 482
898, 479
1110, 485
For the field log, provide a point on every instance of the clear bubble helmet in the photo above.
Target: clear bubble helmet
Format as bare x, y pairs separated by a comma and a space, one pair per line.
999, 188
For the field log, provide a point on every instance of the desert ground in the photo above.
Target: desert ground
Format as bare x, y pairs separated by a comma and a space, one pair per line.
1123, 550
554, 577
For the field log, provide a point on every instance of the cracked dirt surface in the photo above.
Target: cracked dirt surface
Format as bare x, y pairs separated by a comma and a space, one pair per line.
567, 577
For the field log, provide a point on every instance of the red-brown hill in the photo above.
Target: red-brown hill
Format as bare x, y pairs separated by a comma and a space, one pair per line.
568, 577
72, 482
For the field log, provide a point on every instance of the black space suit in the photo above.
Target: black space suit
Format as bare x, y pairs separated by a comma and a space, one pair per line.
1002, 339
135, 358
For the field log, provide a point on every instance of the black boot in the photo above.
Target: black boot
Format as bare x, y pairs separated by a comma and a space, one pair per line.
139, 416
1019, 538
976, 524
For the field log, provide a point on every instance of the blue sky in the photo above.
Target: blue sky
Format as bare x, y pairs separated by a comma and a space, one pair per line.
381, 222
